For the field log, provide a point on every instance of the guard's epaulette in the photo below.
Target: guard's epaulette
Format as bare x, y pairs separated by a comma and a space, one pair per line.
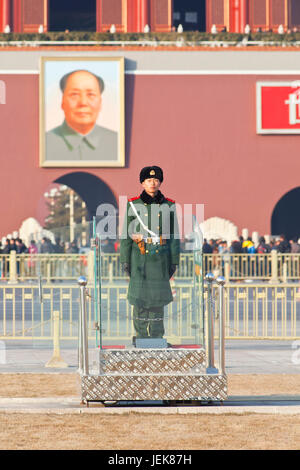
133, 198
170, 200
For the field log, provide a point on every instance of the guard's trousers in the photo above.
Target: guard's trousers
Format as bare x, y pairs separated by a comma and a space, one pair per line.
148, 323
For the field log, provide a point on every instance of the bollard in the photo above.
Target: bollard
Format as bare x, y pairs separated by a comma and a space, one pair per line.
210, 320
83, 337
56, 360
221, 282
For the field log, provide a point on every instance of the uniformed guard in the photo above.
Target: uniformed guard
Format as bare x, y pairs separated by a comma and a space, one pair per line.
150, 249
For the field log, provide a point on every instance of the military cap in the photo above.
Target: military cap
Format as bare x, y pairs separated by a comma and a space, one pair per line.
151, 172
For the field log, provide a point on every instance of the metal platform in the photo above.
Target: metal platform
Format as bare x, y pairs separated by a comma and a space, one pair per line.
203, 387
153, 374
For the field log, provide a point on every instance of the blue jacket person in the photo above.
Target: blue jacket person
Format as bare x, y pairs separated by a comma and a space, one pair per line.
150, 249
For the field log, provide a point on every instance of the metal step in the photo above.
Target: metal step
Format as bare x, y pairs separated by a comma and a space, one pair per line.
152, 361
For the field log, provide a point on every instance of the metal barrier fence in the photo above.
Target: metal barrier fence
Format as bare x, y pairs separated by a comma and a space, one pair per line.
256, 311
24, 267
271, 266
234, 267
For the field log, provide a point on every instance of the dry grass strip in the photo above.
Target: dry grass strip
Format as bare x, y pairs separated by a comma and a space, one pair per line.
49, 432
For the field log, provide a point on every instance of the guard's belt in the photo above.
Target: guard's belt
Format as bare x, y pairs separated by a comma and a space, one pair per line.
155, 240
142, 241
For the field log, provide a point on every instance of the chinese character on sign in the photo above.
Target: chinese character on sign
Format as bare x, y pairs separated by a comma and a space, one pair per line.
278, 107
294, 107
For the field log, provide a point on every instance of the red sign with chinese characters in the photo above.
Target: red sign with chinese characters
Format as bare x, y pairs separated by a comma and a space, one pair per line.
278, 107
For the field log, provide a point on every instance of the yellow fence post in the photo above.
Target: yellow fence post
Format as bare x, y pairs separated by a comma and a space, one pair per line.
90, 260
110, 272
56, 360
48, 270
13, 278
227, 271
284, 272
274, 267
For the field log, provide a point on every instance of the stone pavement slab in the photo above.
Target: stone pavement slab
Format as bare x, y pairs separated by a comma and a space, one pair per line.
275, 404
241, 357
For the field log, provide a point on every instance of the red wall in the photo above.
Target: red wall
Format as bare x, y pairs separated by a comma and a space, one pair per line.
200, 129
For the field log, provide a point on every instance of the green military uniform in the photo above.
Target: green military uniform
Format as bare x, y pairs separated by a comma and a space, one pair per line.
150, 264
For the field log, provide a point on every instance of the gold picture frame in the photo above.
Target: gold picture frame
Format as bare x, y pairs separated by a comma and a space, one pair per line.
61, 143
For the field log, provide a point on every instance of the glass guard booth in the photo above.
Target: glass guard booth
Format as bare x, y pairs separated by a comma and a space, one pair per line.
133, 348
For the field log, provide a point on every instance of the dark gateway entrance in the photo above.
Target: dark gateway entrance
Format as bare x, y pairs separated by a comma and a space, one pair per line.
286, 215
92, 190
75, 15
190, 14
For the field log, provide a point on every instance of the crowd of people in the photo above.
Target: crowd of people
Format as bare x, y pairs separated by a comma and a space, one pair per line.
212, 246
281, 245
45, 245
248, 266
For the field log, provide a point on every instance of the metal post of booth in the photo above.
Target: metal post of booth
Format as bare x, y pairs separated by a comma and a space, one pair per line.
221, 282
83, 336
210, 327
97, 284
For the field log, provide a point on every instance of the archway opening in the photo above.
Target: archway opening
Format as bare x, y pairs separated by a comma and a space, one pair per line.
80, 17
92, 190
72, 201
285, 217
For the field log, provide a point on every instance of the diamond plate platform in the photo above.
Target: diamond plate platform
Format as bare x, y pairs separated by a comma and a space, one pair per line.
153, 374
154, 387
152, 361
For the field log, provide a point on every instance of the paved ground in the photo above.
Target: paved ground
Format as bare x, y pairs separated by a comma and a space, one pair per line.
279, 405
242, 357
